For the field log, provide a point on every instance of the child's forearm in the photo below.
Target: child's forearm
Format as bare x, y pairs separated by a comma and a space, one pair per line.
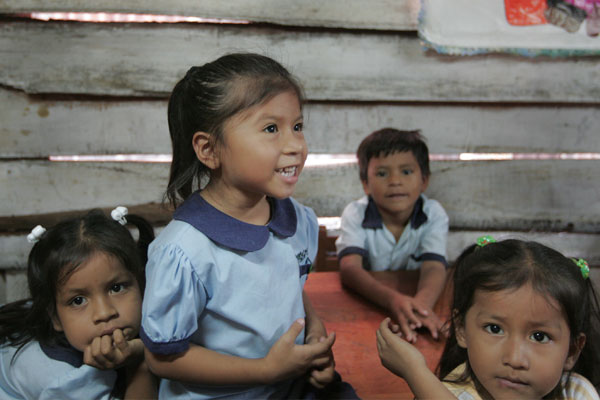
355, 277
199, 365
431, 282
141, 382
425, 385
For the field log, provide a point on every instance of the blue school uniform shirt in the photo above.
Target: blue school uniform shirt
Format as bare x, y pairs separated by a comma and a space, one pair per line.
423, 238
228, 286
41, 372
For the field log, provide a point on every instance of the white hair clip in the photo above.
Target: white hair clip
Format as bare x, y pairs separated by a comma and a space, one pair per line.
36, 234
118, 214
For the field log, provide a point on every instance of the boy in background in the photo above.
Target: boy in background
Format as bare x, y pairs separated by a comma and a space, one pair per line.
395, 226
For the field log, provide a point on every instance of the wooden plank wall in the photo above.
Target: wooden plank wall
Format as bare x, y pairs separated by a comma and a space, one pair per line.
101, 88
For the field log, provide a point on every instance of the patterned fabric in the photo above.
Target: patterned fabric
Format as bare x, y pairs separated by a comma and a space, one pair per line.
578, 388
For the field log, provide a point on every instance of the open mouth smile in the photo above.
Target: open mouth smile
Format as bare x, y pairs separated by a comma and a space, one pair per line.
287, 171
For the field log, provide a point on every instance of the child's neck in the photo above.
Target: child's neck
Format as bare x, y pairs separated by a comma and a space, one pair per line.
250, 209
395, 223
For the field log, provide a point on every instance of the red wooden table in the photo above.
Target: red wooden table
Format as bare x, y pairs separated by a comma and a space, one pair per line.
355, 321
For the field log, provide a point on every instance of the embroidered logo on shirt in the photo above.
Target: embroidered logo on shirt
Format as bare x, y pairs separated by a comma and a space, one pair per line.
304, 262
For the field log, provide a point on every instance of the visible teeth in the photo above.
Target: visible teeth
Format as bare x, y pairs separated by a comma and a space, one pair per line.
288, 171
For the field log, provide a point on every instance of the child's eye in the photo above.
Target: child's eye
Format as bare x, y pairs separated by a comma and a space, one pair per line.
118, 287
381, 174
77, 301
540, 337
493, 329
271, 128
407, 171
298, 127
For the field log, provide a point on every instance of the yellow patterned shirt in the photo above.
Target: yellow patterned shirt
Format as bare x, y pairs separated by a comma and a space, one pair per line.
579, 387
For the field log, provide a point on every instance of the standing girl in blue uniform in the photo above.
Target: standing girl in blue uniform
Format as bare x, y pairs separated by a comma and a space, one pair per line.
77, 336
225, 313
524, 325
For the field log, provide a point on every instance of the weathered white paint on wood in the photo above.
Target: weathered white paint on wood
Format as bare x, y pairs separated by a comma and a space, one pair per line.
13, 279
357, 14
477, 195
35, 127
141, 59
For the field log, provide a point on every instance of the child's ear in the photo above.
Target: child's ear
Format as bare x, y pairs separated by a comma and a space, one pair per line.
425, 183
574, 352
56, 323
459, 330
205, 149
365, 186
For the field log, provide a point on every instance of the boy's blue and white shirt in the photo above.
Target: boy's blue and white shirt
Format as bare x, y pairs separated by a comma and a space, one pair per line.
226, 285
40, 372
423, 238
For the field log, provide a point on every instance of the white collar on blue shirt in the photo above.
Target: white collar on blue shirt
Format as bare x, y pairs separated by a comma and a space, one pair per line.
233, 233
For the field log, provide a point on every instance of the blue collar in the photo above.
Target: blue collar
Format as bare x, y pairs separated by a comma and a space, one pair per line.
235, 234
372, 219
64, 353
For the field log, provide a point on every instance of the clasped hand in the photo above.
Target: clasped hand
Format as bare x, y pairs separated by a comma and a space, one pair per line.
286, 359
411, 314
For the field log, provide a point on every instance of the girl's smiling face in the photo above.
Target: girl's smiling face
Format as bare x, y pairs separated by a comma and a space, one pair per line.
263, 150
517, 341
97, 298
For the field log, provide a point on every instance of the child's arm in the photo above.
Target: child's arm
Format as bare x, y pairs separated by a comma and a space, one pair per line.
141, 383
404, 360
432, 279
404, 309
315, 333
285, 360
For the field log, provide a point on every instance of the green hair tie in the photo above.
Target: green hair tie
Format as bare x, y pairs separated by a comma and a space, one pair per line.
484, 240
583, 266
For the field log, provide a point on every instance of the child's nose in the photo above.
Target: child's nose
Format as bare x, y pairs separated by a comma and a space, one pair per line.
294, 142
104, 310
515, 353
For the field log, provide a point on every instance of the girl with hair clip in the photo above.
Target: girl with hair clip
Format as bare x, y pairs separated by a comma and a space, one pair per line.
524, 325
225, 313
76, 337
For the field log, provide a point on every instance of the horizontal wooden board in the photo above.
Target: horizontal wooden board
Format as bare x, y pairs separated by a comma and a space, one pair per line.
521, 195
15, 248
35, 126
357, 14
148, 59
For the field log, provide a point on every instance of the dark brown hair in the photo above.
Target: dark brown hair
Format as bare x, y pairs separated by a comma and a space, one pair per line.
387, 141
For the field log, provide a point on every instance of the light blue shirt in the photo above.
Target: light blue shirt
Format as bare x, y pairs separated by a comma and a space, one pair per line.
51, 373
423, 238
226, 285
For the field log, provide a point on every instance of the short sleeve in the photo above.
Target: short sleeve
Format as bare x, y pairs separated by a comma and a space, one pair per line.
352, 238
173, 300
434, 235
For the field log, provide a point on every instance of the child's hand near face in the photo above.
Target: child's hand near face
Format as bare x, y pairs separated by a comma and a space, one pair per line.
113, 351
411, 314
286, 359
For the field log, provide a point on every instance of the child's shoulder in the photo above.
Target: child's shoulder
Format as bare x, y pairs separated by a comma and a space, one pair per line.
31, 373
433, 208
